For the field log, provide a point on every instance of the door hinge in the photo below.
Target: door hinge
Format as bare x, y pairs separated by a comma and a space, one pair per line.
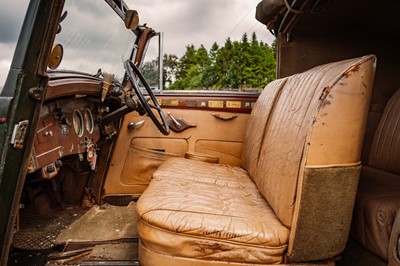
19, 133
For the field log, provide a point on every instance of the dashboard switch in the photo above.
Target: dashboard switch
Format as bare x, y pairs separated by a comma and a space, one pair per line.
58, 163
50, 169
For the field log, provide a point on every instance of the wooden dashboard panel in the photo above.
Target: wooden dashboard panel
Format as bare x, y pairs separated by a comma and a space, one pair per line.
57, 135
218, 103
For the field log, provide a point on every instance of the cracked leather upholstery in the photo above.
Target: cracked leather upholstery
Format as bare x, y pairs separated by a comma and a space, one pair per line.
300, 167
378, 196
223, 208
257, 125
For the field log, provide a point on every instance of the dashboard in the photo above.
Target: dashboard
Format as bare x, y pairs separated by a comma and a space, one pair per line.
66, 127
69, 124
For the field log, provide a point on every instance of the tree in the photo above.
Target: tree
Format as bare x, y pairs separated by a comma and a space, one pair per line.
150, 72
186, 61
210, 77
223, 63
202, 58
170, 62
236, 64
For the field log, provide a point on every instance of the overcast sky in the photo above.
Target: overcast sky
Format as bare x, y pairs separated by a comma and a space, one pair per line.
183, 22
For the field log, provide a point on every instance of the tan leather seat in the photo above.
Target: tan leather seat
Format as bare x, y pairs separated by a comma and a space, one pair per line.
378, 195
299, 173
223, 218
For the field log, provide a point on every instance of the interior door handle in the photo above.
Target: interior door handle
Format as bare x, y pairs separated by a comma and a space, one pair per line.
176, 123
218, 116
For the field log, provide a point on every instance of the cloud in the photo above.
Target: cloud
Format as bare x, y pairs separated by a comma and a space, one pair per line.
11, 17
6, 54
200, 22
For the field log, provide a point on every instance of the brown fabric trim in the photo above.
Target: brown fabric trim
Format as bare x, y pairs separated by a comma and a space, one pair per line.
323, 221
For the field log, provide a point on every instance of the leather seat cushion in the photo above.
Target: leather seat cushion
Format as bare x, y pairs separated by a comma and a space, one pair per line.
226, 219
375, 209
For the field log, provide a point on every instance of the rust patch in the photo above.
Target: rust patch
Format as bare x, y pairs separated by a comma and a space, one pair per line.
326, 102
352, 70
324, 94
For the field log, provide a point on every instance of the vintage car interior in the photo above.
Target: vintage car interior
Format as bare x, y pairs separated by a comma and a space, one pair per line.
99, 169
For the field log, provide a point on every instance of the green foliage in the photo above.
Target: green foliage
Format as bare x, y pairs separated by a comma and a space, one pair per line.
170, 62
247, 63
150, 72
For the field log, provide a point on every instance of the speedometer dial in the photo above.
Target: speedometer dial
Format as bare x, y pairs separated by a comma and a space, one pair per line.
77, 121
89, 123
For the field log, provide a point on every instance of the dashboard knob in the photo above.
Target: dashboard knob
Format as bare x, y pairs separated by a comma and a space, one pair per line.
58, 163
50, 169
116, 91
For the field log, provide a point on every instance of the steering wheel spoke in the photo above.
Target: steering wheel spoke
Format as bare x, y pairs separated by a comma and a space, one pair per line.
154, 107
160, 123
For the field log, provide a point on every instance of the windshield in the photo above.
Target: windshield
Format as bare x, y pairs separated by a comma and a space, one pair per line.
94, 37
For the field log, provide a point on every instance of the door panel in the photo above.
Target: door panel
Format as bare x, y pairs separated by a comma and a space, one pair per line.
167, 144
145, 155
140, 151
228, 152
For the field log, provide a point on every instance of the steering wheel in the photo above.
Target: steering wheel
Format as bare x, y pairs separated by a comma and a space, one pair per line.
162, 125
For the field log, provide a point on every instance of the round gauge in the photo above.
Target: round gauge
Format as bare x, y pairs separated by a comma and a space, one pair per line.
77, 121
89, 123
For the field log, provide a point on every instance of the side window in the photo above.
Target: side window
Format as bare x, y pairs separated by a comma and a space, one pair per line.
150, 67
245, 65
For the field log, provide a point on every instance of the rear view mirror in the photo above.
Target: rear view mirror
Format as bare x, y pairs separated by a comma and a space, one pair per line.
131, 19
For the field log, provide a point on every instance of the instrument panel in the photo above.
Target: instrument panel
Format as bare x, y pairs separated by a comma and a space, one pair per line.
66, 127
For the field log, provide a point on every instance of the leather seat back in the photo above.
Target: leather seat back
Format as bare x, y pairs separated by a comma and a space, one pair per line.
305, 157
385, 151
257, 126
378, 194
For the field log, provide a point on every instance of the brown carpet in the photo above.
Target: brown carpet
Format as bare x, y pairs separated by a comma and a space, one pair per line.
102, 224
